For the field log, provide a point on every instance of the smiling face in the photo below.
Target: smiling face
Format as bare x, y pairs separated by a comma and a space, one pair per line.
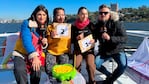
83, 15
41, 17
104, 14
60, 16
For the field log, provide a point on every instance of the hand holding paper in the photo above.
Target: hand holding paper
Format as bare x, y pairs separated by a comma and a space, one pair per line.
86, 43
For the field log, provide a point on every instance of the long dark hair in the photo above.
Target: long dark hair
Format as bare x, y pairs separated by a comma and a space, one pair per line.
37, 9
81, 9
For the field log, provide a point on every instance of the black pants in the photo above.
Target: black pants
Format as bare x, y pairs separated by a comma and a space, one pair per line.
20, 72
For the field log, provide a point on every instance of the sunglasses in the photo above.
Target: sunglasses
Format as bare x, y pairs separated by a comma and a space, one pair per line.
105, 13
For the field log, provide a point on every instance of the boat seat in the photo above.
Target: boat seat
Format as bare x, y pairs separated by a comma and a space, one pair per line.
6, 62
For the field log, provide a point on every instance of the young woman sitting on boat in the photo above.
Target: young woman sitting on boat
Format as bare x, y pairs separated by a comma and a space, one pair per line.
58, 49
28, 56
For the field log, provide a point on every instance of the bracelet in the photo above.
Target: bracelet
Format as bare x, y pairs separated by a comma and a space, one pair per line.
45, 46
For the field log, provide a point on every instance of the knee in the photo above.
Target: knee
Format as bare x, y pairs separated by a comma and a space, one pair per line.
123, 61
98, 62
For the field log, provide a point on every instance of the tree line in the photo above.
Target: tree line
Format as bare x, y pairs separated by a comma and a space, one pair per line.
140, 14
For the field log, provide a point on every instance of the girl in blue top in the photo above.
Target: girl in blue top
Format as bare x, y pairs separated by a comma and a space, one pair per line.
26, 54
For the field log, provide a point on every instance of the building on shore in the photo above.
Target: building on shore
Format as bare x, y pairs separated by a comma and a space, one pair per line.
114, 7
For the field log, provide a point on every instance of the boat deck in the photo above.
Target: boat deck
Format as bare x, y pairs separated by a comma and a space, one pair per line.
129, 77
7, 76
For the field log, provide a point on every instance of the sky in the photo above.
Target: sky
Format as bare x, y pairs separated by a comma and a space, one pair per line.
22, 9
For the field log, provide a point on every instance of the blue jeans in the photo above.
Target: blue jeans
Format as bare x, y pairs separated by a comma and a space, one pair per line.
120, 59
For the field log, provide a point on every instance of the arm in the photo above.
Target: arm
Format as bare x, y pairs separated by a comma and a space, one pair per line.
27, 40
27, 43
120, 36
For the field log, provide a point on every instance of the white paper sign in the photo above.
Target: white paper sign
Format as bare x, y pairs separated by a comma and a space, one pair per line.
62, 30
85, 43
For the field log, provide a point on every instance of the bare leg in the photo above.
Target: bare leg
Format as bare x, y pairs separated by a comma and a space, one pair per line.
91, 68
78, 62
